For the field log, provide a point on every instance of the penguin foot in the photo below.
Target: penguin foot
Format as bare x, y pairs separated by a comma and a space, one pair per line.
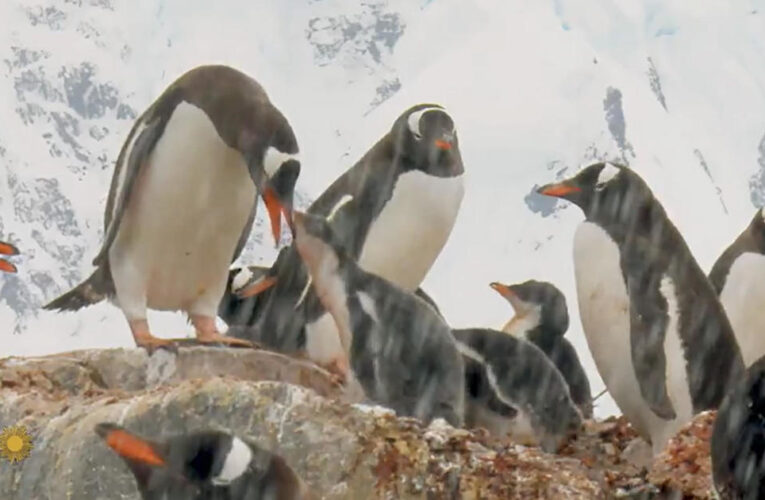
217, 338
151, 344
338, 370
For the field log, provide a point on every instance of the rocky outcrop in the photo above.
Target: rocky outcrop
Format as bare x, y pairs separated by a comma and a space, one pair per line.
341, 448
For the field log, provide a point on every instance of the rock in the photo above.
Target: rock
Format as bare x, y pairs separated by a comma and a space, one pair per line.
342, 450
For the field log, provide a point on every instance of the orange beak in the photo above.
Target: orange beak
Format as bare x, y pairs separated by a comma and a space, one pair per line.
558, 190
503, 290
7, 266
443, 145
129, 446
259, 286
275, 210
8, 249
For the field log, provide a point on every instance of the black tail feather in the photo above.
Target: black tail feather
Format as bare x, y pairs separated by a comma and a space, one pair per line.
91, 291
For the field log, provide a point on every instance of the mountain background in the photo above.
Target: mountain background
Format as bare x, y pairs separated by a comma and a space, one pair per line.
675, 89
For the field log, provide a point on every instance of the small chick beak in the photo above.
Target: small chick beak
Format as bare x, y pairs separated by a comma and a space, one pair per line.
256, 288
128, 446
503, 290
558, 190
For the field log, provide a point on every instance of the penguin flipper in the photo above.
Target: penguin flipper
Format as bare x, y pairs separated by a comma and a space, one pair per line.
648, 325
96, 288
119, 195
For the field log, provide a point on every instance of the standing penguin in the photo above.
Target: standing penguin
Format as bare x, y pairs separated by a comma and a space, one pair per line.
738, 277
738, 438
657, 333
401, 351
392, 211
512, 388
205, 465
183, 199
541, 317
7, 249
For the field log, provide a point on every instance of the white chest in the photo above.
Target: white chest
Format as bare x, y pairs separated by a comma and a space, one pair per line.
185, 216
407, 236
743, 298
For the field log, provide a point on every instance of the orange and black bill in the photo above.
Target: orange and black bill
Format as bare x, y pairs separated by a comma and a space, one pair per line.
258, 287
503, 290
275, 210
559, 189
129, 446
8, 249
7, 267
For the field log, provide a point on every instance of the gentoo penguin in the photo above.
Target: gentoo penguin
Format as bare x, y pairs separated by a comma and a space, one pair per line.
183, 198
400, 350
512, 388
738, 277
541, 317
204, 465
738, 438
393, 212
7, 249
657, 333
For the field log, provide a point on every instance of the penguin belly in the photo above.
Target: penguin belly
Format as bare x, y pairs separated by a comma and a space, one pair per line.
412, 228
743, 298
604, 308
187, 211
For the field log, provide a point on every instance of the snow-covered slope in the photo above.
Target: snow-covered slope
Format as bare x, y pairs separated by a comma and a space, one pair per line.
675, 89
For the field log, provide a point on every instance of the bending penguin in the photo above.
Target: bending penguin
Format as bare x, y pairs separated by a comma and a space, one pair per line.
401, 351
204, 465
541, 317
393, 211
738, 277
183, 197
657, 333
512, 388
9, 250
738, 438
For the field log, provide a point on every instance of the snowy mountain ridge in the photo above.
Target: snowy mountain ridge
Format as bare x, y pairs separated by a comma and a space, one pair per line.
675, 90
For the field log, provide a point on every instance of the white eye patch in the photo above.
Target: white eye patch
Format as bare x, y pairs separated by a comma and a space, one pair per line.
414, 120
274, 159
606, 175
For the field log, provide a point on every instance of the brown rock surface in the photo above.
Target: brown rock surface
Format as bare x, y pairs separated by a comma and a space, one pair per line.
291, 407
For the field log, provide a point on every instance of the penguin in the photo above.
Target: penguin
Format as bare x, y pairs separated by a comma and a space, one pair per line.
393, 211
400, 350
738, 277
9, 250
183, 197
657, 333
737, 444
541, 317
204, 465
512, 388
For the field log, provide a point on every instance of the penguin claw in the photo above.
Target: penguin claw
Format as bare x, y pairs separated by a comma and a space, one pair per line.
338, 371
224, 341
153, 344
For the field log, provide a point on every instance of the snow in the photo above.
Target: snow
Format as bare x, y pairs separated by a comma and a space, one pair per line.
535, 88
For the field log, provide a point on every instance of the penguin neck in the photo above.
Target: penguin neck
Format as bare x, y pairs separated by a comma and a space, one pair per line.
544, 337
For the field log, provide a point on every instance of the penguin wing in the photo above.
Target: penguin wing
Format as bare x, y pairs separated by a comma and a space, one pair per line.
123, 182
644, 269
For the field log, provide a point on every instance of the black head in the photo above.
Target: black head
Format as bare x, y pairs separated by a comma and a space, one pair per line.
275, 172
605, 192
189, 463
540, 298
426, 139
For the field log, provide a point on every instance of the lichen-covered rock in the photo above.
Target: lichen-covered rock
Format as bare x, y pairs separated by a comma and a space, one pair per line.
685, 466
286, 405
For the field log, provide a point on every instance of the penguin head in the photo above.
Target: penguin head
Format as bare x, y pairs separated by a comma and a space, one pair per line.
7, 249
537, 299
275, 173
191, 464
605, 192
426, 139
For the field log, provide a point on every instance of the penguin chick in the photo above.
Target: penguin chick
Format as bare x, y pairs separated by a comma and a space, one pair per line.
7, 249
400, 350
513, 389
658, 335
208, 465
738, 277
738, 438
541, 317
